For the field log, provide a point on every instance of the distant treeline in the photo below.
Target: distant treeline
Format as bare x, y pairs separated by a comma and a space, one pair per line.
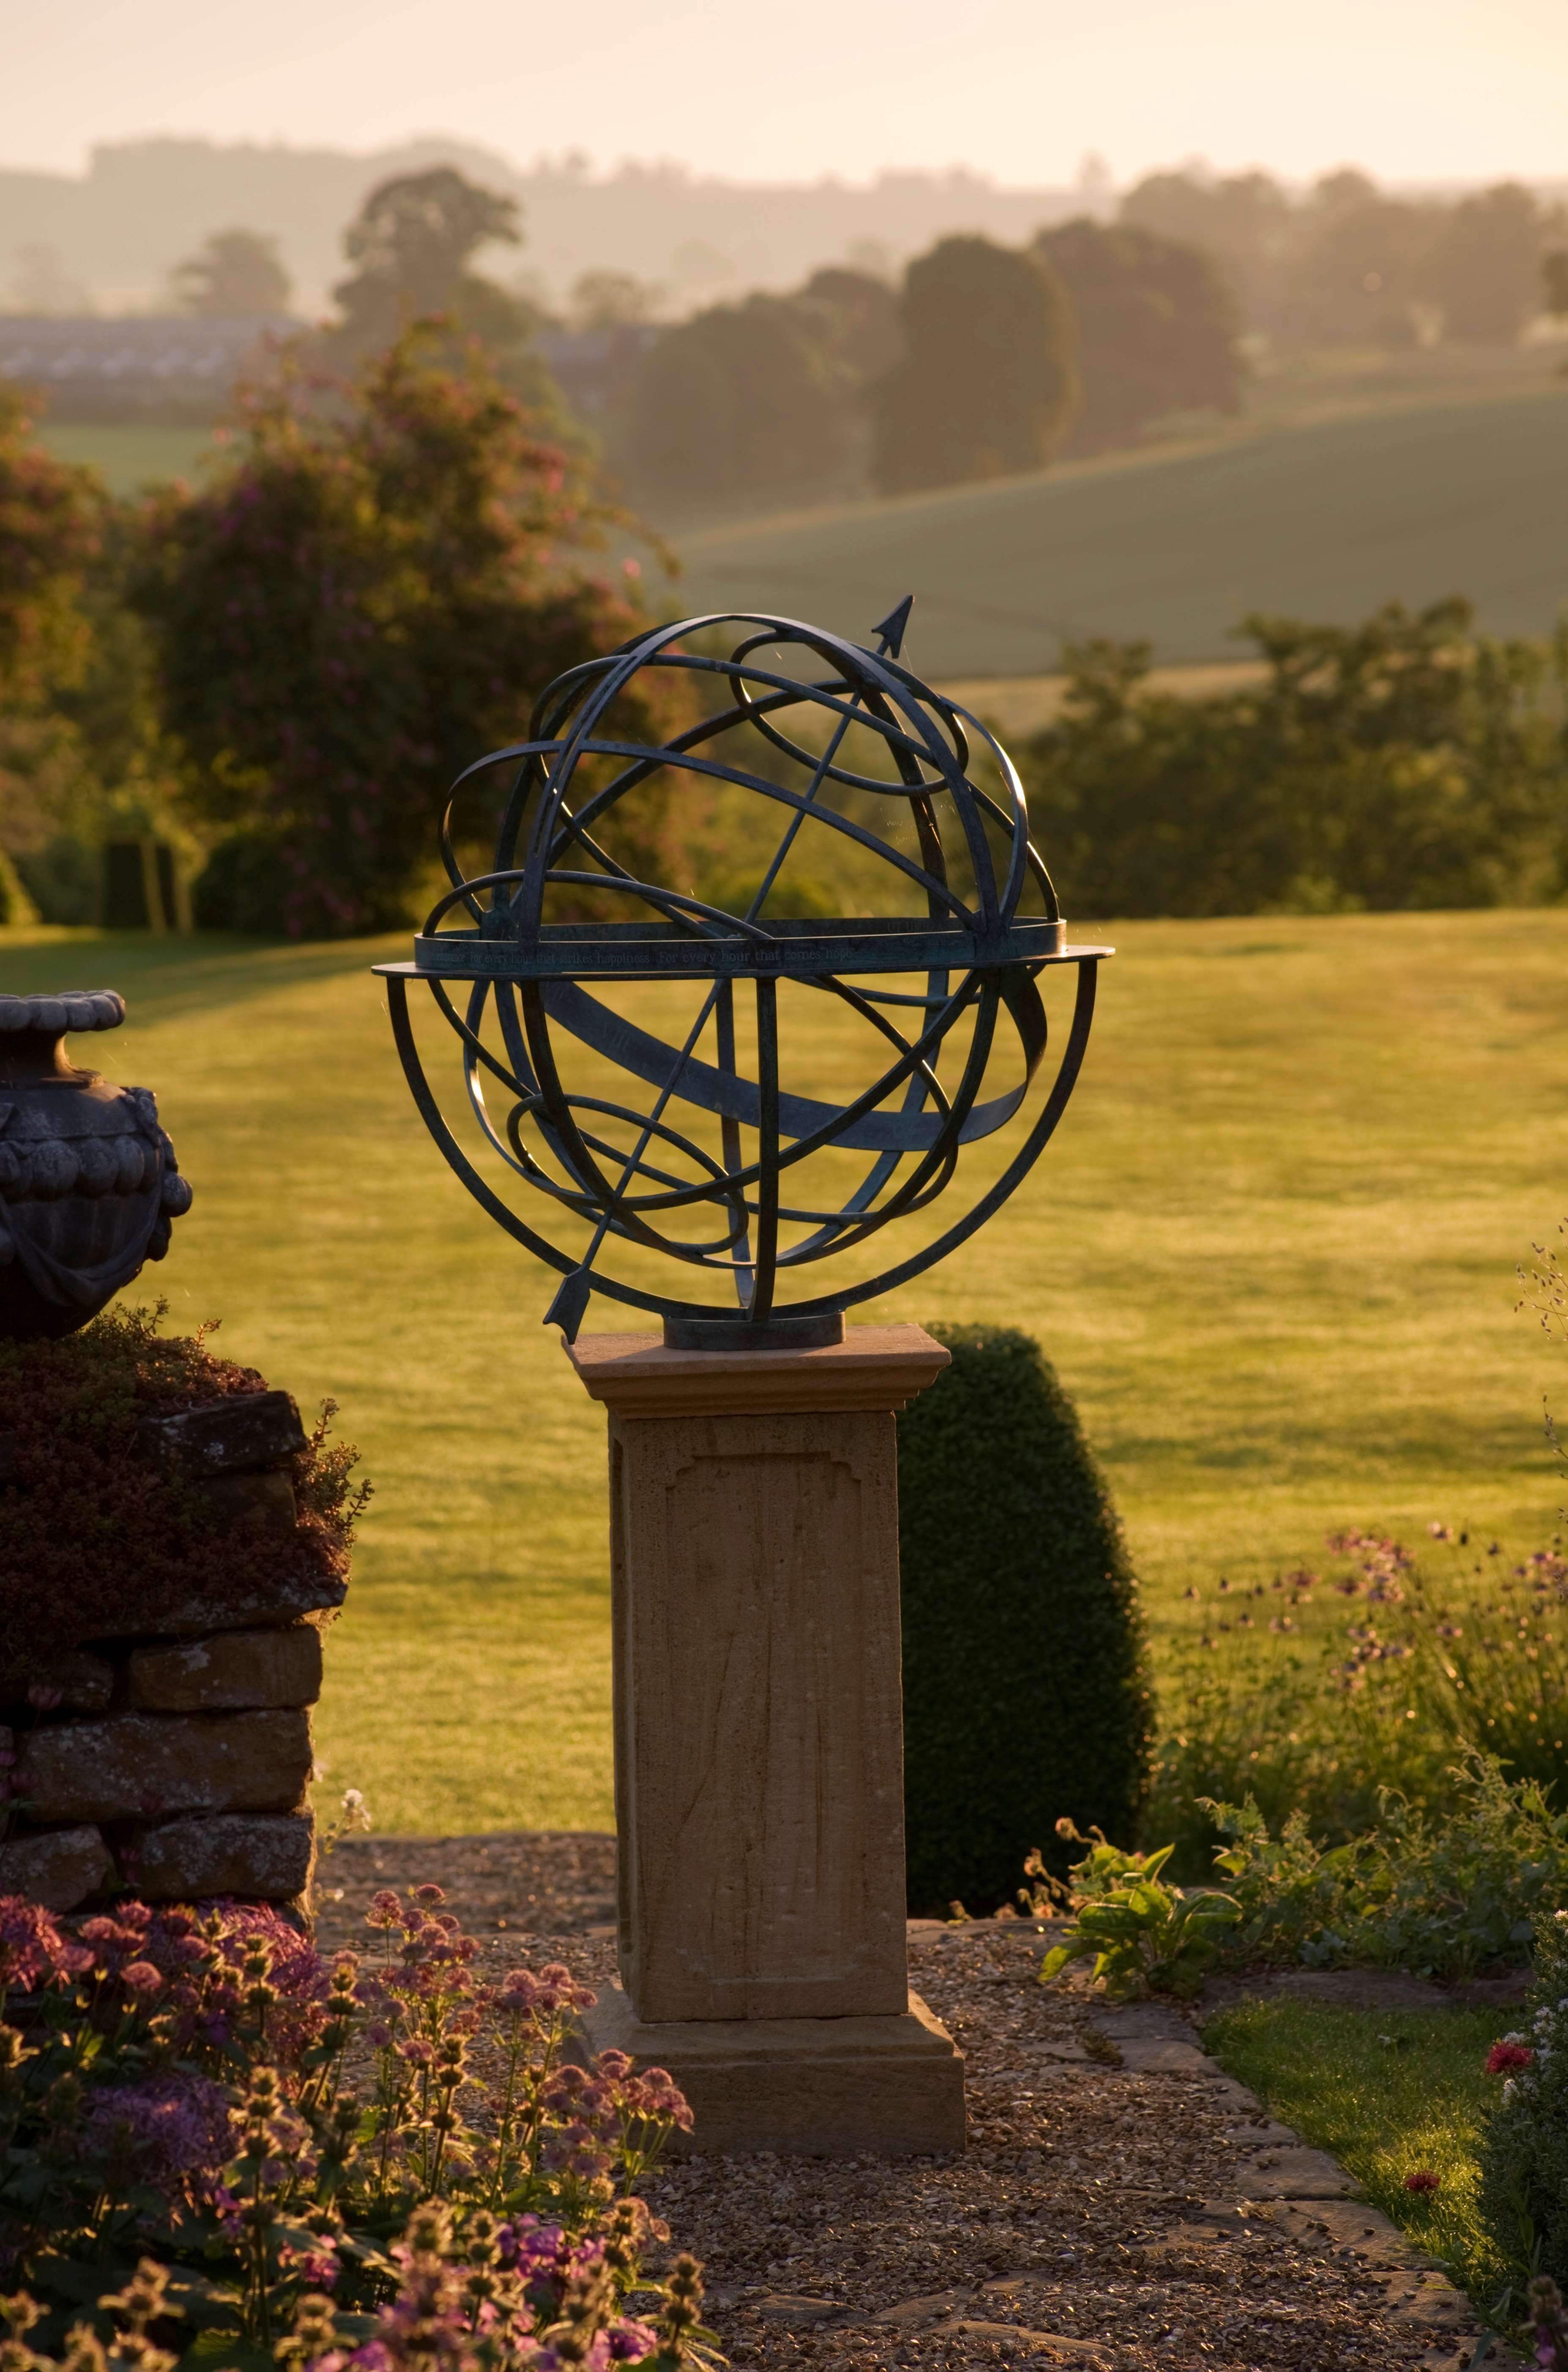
286, 665
981, 359
1405, 763
989, 359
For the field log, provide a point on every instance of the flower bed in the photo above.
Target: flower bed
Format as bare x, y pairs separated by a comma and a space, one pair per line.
223, 2146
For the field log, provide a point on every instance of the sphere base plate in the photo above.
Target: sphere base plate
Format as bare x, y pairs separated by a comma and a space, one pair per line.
819, 1333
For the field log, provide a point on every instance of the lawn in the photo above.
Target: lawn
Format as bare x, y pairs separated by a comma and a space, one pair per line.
1272, 1253
1390, 2093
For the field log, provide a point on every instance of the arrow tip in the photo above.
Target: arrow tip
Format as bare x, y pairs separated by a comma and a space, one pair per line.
891, 630
570, 1303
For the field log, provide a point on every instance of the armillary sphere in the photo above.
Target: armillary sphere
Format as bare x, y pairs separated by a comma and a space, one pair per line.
623, 1040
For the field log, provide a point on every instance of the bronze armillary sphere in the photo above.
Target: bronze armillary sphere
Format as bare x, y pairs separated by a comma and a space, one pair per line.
560, 969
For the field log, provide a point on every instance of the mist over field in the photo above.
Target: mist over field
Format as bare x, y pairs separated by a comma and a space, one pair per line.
117, 228
114, 231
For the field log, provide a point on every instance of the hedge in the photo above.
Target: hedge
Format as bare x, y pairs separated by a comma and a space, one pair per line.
1026, 1689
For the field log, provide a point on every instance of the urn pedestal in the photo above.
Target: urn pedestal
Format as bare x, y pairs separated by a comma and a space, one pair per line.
759, 1760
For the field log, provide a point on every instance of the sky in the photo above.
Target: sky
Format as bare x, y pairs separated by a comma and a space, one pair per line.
1018, 89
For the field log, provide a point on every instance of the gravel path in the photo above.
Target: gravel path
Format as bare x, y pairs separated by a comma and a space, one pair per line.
1122, 2203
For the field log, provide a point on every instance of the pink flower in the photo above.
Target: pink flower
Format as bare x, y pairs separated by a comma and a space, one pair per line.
1504, 2058
1424, 2180
140, 1977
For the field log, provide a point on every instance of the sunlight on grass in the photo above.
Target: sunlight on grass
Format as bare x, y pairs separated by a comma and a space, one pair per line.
1389, 2093
1271, 1251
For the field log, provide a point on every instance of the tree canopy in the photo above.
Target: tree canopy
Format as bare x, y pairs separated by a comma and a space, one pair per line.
369, 596
52, 518
413, 242
1483, 263
1156, 328
986, 382
235, 272
739, 396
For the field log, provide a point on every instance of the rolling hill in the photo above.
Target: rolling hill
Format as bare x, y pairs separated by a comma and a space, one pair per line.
1324, 520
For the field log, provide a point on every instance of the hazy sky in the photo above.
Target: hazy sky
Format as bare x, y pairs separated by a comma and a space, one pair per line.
1430, 89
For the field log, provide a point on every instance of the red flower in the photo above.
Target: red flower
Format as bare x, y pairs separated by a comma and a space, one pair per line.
1503, 2058
1423, 2180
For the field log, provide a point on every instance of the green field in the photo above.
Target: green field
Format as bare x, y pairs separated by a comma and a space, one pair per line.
129, 453
1272, 1252
1321, 519
1410, 496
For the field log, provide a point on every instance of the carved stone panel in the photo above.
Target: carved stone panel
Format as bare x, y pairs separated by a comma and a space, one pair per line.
758, 1745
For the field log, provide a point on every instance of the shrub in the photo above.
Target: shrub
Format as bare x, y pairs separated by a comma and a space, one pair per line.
1405, 763
97, 1538
187, 2087
1443, 1895
1523, 2186
1025, 1692
245, 884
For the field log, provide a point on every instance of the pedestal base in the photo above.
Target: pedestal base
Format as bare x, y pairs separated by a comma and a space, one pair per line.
815, 2086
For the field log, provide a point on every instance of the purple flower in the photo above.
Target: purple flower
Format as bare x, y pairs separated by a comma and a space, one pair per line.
174, 2130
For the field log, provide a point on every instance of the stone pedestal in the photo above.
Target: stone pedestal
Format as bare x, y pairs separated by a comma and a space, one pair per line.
759, 1763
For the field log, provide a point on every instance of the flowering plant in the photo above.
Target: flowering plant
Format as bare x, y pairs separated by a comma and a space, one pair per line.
317, 2159
1524, 2189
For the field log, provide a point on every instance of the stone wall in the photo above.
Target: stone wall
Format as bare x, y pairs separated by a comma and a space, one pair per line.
175, 1763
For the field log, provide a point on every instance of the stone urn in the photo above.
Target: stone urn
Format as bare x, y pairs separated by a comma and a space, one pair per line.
88, 1180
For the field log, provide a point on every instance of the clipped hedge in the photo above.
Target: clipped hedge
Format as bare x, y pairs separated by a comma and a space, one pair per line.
1026, 1690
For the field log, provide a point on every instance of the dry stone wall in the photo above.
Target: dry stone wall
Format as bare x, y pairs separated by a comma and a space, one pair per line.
176, 1764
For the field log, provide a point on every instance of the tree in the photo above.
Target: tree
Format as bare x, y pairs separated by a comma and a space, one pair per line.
1244, 222
79, 747
51, 517
986, 385
369, 598
612, 300
1358, 274
1156, 328
739, 396
1483, 265
857, 319
1554, 282
236, 272
413, 241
